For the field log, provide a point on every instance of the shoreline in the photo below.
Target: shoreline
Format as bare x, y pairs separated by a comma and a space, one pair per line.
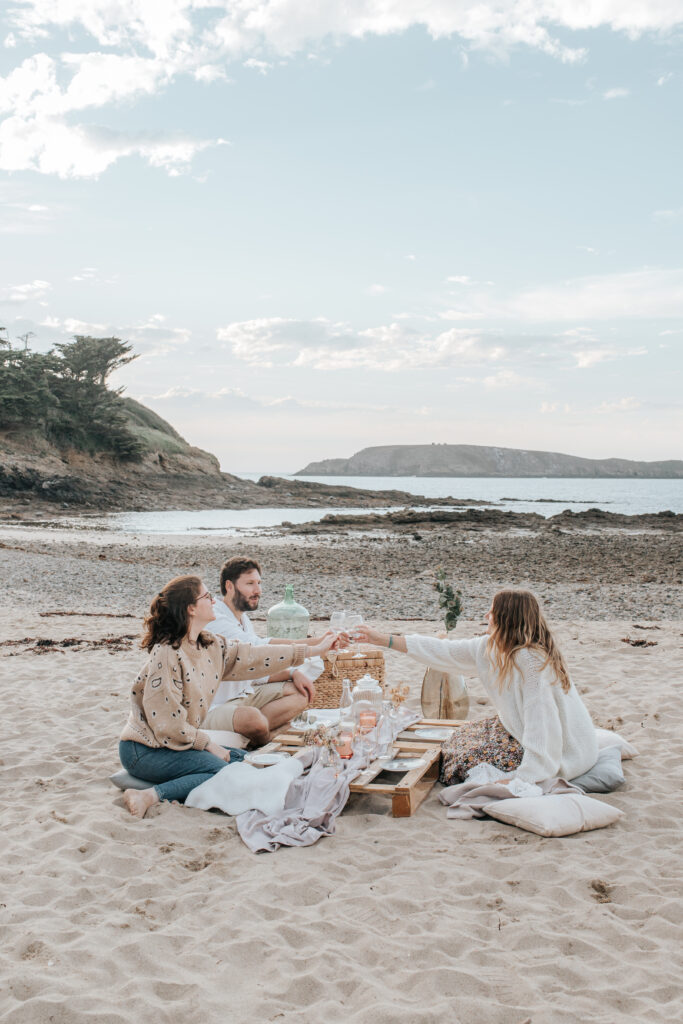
589, 573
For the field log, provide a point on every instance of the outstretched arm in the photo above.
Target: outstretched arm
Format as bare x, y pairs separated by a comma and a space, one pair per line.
449, 655
366, 635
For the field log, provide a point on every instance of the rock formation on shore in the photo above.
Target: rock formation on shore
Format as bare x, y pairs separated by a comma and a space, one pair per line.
35, 473
481, 461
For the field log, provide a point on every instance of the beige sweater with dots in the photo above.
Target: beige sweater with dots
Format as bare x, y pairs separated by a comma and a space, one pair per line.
172, 694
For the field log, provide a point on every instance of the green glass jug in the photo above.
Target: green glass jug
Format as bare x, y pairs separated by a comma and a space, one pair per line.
288, 620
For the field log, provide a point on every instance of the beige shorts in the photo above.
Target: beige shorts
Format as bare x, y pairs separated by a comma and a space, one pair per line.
221, 717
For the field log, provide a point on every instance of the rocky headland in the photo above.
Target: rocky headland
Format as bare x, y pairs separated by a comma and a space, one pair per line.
482, 461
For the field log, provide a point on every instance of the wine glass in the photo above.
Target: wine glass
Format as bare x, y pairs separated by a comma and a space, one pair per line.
337, 621
353, 620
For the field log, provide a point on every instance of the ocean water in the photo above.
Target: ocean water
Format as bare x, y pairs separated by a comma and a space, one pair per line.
545, 496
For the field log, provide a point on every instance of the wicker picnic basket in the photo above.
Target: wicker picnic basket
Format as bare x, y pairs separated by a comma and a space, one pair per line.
340, 665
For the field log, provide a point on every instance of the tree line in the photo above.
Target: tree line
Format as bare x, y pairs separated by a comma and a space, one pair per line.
63, 396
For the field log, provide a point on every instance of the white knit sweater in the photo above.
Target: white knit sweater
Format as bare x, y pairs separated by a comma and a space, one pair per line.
554, 727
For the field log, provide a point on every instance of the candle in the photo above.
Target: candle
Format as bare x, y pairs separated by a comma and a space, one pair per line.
344, 743
367, 720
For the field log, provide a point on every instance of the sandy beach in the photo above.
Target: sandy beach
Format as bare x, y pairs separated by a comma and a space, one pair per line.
109, 920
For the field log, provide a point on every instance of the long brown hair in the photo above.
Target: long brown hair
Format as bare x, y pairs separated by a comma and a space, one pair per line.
518, 623
168, 620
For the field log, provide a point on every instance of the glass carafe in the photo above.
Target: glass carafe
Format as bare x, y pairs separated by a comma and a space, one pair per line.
288, 620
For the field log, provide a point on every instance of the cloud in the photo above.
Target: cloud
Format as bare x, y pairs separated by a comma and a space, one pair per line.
159, 42
20, 217
237, 398
324, 345
91, 275
655, 293
33, 291
36, 134
616, 94
262, 66
149, 337
629, 404
669, 215
376, 289
51, 146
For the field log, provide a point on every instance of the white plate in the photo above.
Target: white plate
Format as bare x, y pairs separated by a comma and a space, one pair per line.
323, 716
265, 760
403, 764
432, 734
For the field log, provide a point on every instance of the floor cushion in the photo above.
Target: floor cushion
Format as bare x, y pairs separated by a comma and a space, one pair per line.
124, 780
607, 738
555, 814
606, 774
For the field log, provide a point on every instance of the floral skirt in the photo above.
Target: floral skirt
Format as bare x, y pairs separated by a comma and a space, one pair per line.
475, 742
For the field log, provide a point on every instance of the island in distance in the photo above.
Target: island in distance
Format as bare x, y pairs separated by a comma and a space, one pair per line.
479, 460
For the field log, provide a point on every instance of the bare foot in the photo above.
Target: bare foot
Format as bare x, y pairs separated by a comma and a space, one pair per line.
138, 801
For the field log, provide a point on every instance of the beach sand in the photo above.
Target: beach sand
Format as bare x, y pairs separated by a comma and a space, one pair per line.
110, 920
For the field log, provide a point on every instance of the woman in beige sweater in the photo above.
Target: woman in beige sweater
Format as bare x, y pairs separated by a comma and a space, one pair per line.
162, 741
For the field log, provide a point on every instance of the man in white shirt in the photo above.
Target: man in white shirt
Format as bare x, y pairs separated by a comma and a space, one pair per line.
258, 707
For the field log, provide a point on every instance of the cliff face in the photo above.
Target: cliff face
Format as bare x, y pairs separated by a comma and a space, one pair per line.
478, 460
169, 472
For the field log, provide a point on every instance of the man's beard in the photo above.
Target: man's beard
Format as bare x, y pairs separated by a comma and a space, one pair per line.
244, 604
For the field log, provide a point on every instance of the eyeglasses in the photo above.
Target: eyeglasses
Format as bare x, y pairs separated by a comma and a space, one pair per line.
206, 594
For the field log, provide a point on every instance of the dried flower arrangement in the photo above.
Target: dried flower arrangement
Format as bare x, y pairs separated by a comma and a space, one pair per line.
322, 735
399, 694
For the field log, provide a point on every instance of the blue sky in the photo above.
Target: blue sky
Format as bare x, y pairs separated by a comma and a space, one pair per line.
325, 227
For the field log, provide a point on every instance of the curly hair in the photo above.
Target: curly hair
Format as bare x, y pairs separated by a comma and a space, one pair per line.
168, 620
518, 623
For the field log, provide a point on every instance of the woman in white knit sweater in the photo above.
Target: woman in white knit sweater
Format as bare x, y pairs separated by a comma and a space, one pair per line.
542, 729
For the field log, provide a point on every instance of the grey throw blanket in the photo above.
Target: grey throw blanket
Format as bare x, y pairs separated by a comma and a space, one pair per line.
312, 804
467, 798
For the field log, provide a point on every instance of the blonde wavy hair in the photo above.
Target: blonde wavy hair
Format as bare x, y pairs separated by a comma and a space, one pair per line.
517, 622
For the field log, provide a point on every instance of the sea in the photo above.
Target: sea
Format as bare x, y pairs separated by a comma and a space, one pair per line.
543, 495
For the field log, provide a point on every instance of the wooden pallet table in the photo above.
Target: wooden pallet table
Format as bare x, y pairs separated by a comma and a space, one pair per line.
410, 789
407, 791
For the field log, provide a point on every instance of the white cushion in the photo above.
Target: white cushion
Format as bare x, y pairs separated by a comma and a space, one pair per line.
560, 814
607, 738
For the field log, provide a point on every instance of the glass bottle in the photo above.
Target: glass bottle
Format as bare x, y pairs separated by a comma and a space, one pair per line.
288, 620
346, 700
385, 731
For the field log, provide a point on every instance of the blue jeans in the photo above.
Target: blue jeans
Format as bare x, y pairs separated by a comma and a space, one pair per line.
176, 772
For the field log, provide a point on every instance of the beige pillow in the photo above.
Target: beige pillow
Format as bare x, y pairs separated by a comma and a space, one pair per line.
560, 814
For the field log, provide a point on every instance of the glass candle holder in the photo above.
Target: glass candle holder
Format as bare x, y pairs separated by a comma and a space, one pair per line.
367, 720
344, 742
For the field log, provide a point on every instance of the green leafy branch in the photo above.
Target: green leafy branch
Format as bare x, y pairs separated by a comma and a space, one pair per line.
450, 600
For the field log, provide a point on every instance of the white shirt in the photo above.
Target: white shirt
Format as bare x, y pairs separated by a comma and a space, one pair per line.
229, 626
554, 727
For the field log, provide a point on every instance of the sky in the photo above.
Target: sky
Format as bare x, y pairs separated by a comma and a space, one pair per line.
328, 226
